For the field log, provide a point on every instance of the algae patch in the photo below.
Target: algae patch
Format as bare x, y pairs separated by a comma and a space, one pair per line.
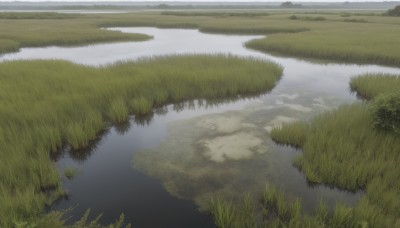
231, 153
236, 146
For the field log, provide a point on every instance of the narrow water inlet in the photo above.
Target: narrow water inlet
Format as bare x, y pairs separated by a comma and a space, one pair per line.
159, 148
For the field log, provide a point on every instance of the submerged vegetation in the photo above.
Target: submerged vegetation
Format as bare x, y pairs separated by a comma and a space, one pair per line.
46, 104
347, 148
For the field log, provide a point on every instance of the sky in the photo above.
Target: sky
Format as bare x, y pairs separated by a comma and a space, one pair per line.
266, 1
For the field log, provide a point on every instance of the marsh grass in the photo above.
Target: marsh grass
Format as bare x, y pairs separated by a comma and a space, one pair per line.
36, 15
70, 172
118, 111
40, 29
324, 35
353, 20
143, 106
46, 104
362, 43
307, 18
215, 14
273, 209
7, 45
223, 212
293, 134
343, 149
369, 86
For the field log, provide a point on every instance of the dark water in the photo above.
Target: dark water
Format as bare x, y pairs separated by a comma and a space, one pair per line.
130, 167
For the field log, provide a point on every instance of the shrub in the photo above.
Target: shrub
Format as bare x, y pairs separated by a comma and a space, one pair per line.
394, 12
386, 112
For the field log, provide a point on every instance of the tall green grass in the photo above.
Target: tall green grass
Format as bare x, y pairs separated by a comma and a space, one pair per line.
16, 33
323, 35
47, 104
353, 42
7, 45
293, 134
369, 86
343, 148
273, 209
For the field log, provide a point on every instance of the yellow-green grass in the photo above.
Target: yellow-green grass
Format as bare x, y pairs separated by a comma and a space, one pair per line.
369, 86
37, 15
344, 148
16, 33
345, 42
47, 104
339, 36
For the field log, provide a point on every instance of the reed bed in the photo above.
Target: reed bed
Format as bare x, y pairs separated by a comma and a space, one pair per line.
36, 15
323, 35
218, 13
18, 33
353, 42
345, 148
273, 209
369, 86
47, 104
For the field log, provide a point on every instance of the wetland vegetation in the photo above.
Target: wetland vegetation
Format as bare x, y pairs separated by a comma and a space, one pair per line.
349, 148
47, 105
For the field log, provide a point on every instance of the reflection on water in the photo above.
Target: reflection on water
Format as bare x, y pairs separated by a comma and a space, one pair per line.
108, 184
197, 148
230, 153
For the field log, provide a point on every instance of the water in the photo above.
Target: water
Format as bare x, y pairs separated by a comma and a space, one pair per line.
197, 149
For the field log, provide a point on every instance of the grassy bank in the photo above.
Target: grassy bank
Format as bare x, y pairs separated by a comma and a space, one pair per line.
345, 42
344, 148
47, 104
335, 35
46, 29
369, 86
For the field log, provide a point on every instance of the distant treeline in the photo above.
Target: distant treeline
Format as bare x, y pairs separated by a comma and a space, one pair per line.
191, 5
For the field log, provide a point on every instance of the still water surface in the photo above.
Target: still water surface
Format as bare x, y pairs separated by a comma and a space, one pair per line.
160, 169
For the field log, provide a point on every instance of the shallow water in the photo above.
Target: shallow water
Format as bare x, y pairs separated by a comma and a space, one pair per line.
197, 149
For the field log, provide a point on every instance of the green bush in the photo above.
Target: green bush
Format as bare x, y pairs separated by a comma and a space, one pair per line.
394, 12
386, 112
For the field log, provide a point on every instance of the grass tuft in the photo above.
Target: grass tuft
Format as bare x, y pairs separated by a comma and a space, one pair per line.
118, 111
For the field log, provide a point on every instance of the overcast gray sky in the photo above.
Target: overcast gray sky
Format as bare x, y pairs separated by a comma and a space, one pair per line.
193, 1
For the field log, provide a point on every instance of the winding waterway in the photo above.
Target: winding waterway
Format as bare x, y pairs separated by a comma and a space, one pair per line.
159, 170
